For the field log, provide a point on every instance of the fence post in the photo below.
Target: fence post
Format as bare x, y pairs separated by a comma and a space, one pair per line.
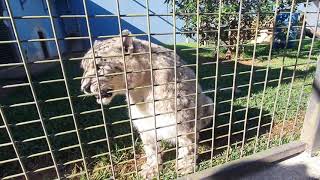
311, 125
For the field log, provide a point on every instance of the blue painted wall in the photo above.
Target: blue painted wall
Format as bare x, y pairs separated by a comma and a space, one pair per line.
77, 27
28, 28
104, 26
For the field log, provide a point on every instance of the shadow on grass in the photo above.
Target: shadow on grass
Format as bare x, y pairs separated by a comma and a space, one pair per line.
57, 115
262, 51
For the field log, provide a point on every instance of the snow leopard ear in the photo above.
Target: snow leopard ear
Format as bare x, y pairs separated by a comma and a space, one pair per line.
96, 42
127, 41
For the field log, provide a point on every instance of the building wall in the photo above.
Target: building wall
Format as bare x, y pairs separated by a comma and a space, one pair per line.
105, 26
311, 16
28, 28
76, 27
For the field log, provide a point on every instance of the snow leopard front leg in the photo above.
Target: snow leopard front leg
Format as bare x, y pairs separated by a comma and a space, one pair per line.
150, 168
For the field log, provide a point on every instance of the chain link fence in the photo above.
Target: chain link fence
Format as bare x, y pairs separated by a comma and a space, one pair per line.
259, 88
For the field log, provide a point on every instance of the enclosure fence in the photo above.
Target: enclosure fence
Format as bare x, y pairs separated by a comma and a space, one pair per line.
49, 129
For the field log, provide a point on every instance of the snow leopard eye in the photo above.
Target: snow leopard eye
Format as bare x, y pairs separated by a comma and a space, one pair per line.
118, 69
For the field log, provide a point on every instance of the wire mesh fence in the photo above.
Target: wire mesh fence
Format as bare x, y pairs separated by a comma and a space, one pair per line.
258, 91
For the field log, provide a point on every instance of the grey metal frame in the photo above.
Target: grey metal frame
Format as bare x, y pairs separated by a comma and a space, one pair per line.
311, 126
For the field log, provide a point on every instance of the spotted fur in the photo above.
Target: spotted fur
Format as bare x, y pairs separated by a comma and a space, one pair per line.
109, 60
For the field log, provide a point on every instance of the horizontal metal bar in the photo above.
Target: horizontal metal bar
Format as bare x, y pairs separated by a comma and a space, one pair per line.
90, 111
94, 127
75, 175
11, 65
100, 168
129, 173
73, 162
36, 154
55, 99
6, 144
13, 176
22, 104
42, 169
69, 147
63, 133
31, 17
8, 42
240, 121
9, 160
60, 117
112, 74
16, 85
33, 139
96, 141
99, 155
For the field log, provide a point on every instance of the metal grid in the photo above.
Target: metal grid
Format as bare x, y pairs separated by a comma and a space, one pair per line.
58, 166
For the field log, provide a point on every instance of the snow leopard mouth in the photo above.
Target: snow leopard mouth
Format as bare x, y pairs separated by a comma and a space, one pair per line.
104, 94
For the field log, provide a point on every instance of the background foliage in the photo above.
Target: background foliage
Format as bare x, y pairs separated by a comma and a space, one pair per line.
252, 11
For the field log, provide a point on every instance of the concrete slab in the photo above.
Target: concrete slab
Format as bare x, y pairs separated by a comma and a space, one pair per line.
301, 167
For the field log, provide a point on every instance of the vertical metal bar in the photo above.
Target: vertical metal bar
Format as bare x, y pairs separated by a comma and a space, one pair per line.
99, 88
32, 87
308, 66
67, 88
269, 62
197, 77
297, 112
216, 83
234, 80
127, 87
175, 79
259, 123
4, 119
152, 85
281, 74
294, 73
250, 82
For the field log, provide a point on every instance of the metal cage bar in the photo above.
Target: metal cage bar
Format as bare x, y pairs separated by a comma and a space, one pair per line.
308, 66
196, 101
216, 83
13, 144
126, 83
12, 21
281, 71
67, 89
250, 82
294, 73
228, 133
99, 88
152, 88
268, 66
175, 81
234, 80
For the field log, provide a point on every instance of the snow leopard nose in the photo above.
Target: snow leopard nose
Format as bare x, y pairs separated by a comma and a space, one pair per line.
106, 93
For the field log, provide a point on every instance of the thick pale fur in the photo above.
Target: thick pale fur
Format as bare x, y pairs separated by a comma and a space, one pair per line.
137, 60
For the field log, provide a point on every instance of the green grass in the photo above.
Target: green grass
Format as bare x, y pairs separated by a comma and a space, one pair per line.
91, 124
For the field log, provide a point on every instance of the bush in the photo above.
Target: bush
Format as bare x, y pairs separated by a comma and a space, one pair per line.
252, 11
